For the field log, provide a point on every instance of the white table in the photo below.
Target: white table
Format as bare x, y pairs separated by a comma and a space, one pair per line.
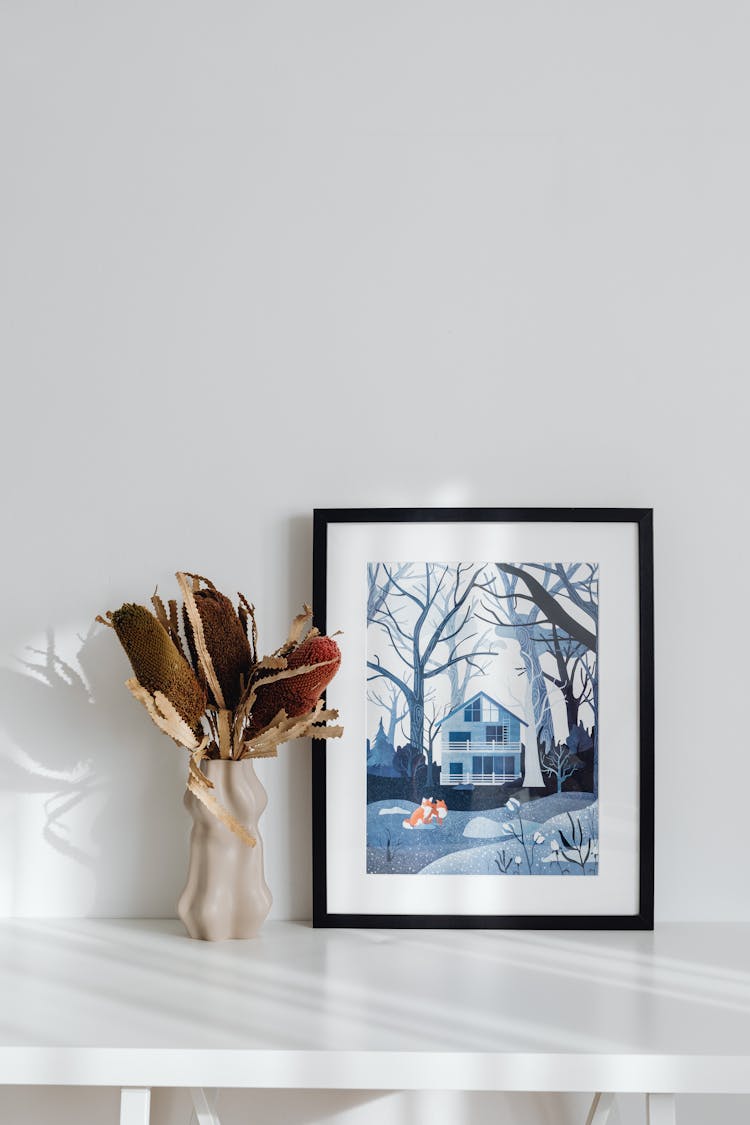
136, 1004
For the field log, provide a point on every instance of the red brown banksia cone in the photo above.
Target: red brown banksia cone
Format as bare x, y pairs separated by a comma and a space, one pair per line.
297, 695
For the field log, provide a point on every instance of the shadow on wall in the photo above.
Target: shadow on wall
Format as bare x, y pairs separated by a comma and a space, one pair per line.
109, 785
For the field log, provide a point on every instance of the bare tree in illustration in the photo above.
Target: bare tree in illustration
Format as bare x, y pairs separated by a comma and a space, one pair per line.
434, 716
552, 611
425, 621
389, 699
560, 762
567, 595
502, 610
378, 585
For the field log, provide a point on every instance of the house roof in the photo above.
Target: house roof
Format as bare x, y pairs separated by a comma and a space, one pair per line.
483, 695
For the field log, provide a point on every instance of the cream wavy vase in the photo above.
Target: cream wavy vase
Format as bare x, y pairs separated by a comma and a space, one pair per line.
226, 894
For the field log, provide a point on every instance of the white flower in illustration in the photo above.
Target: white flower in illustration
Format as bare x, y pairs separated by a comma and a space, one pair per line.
518, 859
554, 845
512, 804
508, 828
538, 838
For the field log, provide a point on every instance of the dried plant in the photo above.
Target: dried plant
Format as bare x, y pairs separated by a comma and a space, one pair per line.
212, 694
158, 664
315, 661
226, 640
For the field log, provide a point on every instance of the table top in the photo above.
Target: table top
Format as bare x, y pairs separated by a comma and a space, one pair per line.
129, 1002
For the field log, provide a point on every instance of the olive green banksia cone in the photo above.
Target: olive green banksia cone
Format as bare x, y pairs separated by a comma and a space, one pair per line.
157, 663
226, 642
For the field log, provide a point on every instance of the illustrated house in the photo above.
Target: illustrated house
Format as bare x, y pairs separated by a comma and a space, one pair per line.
480, 743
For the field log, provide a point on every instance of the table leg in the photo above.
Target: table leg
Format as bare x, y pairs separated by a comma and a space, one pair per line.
662, 1109
204, 1105
135, 1106
600, 1109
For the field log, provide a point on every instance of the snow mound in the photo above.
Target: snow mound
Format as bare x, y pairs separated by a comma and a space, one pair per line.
544, 808
482, 828
588, 818
395, 810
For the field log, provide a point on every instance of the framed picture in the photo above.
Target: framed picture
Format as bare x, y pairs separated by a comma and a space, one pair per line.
496, 692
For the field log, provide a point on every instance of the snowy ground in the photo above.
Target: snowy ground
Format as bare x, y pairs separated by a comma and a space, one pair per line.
555, 835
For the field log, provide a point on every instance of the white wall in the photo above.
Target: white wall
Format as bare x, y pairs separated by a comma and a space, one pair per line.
258, 257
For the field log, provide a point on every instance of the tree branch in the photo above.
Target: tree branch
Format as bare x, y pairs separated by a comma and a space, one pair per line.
455, 660
552, 608
386, 672
406, 593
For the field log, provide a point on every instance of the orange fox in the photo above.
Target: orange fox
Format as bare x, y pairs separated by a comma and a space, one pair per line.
428, 811
422, 815
440, 813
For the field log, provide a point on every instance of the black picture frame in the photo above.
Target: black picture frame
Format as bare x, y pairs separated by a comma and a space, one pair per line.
643, 918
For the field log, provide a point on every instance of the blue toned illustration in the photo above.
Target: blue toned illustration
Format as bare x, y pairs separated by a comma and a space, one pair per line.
482, 749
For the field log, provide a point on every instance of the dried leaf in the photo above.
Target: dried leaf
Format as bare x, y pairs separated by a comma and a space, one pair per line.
247, 611
174, 626
197, 579
225, 735
325, 715
270, 662
290, 673
200, 641
282, 729
179, 729
197, 773
206, 798
164, 715
161, 613
296, 631
326, 732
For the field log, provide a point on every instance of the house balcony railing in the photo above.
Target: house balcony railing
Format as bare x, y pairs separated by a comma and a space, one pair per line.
481, 747
470, 778
464, 753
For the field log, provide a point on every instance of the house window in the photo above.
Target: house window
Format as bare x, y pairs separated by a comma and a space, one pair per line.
456, 769
473, 713
491, 713
498, 733
487, 765
505, 764
459, 739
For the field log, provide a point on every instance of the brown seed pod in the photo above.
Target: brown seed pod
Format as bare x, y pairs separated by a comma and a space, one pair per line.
156, 662
226, 641
299, 694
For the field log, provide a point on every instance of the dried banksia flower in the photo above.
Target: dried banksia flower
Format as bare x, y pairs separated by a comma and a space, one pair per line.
299, 694
156, 661
226, 641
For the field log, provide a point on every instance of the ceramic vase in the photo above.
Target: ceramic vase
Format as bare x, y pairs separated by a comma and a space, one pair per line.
226, 895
